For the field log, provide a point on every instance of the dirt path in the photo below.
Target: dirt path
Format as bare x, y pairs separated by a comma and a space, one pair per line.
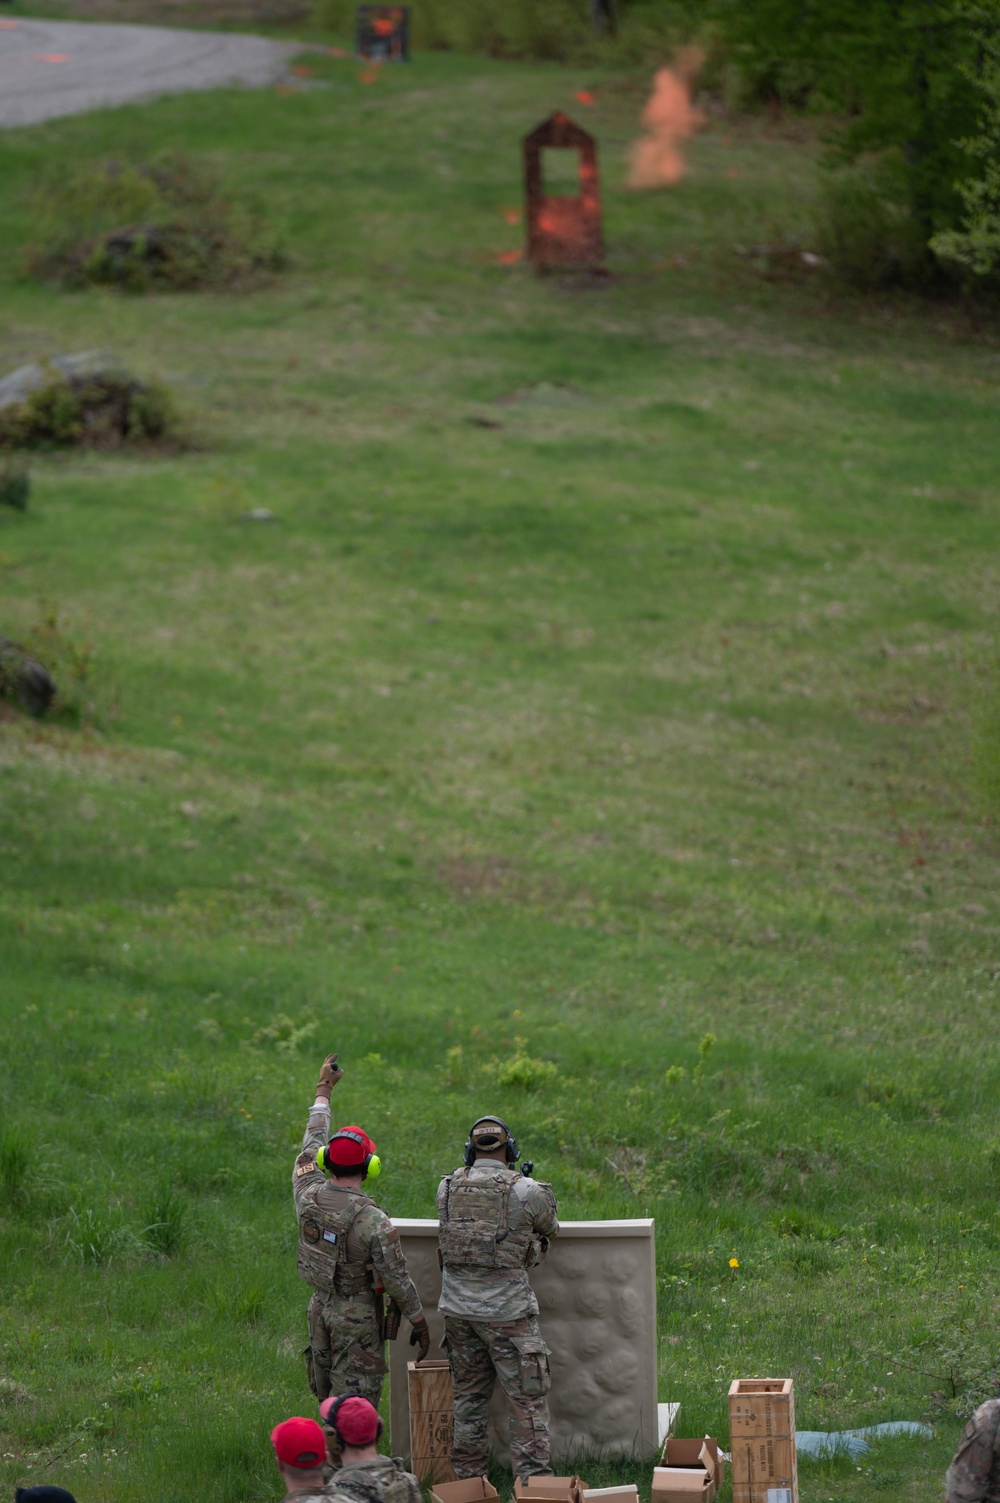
50, 68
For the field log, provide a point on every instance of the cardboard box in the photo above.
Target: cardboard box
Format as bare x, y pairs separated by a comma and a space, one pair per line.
682, 1484
761, 1406
472, 1490
432, 1404
762, 1426
764, 1495
678, 1452
549, 1489
763, 1461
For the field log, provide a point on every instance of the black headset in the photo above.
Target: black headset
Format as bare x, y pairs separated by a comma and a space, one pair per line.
510, 1147
331, 1418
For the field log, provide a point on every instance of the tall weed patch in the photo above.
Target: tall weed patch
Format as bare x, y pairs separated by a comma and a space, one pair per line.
164, 225
15, 1166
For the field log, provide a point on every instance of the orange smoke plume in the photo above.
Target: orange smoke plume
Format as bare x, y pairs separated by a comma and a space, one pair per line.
669, 118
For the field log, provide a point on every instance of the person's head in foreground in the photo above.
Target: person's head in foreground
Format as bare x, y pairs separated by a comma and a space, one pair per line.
43, 1495
352, 1428
300, 1451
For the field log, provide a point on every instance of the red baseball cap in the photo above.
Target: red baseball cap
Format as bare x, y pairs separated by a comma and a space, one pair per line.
299, 1442
356, 1421
349, 1147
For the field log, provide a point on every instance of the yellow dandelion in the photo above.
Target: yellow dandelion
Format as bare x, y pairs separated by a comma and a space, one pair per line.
734, 1262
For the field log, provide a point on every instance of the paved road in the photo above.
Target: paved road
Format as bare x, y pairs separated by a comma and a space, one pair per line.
50, 68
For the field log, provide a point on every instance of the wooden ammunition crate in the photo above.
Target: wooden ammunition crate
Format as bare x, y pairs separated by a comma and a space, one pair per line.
432, 1404
762, 1437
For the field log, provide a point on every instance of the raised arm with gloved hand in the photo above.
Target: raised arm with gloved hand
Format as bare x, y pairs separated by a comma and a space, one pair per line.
349, 1252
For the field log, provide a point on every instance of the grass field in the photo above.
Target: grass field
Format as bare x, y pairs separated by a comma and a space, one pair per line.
609, 677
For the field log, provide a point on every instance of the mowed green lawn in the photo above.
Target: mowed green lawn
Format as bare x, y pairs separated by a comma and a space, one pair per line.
609, 677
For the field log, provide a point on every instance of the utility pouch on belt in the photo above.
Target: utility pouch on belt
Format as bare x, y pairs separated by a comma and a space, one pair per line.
390, 1320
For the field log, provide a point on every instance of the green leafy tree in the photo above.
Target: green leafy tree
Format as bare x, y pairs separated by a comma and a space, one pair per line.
900, 73
976, 245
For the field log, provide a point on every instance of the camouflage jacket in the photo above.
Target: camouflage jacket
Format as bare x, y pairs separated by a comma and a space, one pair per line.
501, 1293
373, 1240
313, 1495
384, 1480
974, 1474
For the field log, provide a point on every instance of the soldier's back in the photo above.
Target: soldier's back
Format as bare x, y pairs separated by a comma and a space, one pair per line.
383, 1480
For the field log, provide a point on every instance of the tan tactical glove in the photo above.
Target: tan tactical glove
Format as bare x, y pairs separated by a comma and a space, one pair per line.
420, 1335
328, 1077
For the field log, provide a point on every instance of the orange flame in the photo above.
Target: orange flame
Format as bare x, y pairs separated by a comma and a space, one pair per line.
669, 118
585, 96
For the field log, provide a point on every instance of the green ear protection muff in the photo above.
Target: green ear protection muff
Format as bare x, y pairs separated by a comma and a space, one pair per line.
370, 1167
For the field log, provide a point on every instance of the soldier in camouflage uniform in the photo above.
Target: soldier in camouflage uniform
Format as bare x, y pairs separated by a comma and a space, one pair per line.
495, 1223
349, 1251
352, 1429
974, 1475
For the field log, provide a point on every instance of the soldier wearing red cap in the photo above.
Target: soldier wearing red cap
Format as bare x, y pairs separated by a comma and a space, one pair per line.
352, 1429
300, 1450
349, 1252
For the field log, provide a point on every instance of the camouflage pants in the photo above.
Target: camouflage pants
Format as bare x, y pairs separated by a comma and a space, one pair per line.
344, 1348
480, 1352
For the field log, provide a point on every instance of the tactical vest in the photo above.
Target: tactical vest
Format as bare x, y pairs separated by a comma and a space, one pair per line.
389, 1483
322, 1251
474, 1230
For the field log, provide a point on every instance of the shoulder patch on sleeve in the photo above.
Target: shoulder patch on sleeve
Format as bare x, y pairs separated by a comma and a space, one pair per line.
304, 1164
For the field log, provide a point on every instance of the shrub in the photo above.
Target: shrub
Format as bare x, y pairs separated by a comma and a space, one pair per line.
283, 1034
164, 1218
89, 401
15, 484
24, 681
869, 240
522, 1072
100, 1237
15, 1162
986, 744
975, 247
164, 225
